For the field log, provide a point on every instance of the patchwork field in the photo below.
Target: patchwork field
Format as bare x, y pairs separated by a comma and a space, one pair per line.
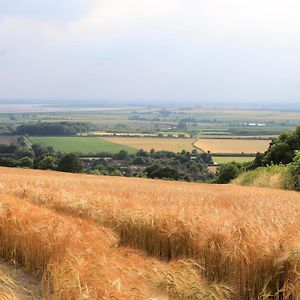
82, 145
232, 146
169, 144
226, 159
94, 237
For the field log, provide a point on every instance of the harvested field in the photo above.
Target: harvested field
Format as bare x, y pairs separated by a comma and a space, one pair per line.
232, 145
169, 144
244, 240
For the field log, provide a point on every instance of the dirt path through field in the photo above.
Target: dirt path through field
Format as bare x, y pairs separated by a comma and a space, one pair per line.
17, 285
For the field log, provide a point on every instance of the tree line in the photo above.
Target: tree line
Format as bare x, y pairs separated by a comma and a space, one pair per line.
53, 129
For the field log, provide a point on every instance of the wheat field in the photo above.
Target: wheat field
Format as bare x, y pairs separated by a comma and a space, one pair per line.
232, 145
95, 237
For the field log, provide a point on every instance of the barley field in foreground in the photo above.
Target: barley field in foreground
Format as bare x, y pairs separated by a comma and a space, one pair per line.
95, 237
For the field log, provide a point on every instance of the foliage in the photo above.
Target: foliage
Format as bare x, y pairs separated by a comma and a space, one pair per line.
227, 172
273, 176
24, 152
121, 155
294, 169
9, 162
281, 150
189, 166
40, 150
70, 163
157, 171
47, 163
53, 129
26, 162
8, 149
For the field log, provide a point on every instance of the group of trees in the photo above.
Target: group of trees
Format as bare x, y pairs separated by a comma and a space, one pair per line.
282, 150
54, 129
189, 166
38, 157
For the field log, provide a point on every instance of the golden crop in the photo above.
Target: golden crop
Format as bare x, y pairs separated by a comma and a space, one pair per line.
200, 241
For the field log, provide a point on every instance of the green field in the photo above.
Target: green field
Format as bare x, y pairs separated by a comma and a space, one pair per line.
84, 145
226, 159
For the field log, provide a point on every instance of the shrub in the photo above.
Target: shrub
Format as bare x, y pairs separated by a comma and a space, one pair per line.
227, 172
294, 169
70, 163
47, 163
157, 171
26, 162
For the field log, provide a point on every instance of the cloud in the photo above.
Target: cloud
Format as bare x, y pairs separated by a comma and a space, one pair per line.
133, 49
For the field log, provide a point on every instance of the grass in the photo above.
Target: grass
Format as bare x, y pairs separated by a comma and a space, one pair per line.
169, 144
232, 146
227, 159
276, 176
84, 145
244, 240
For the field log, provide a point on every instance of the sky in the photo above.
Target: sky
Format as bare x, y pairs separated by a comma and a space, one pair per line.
150, 50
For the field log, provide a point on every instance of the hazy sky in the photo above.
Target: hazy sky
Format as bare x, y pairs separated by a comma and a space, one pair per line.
172, 50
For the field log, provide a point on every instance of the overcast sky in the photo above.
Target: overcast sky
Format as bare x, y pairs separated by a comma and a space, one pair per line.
150, 50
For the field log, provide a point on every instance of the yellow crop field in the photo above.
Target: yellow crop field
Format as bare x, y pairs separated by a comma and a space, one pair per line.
232, 145
242, 137
227, 159
169, 144
95, 237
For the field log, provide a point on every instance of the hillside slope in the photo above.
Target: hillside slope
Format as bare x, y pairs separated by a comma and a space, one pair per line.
151, 238
275, 177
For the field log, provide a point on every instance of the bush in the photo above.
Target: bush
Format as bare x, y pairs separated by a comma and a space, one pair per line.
26, 162
294, 169
70, 163
160, 172
47, 163
227, 172
8, 162
121, 155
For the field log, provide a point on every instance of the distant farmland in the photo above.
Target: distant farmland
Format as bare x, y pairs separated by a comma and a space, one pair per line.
169, 144
6, 140
232, 145
82, 145
227, 159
